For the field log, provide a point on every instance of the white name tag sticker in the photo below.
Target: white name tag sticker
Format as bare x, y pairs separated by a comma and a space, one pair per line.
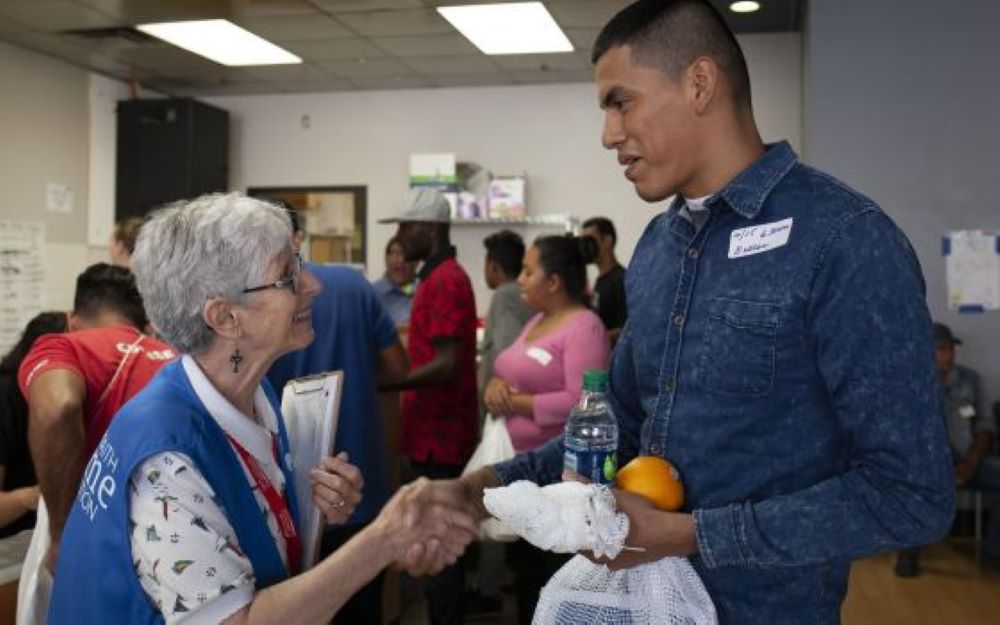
967, 411
758, 239
539, 355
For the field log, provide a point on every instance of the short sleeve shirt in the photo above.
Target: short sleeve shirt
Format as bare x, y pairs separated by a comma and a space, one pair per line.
115, 362
440, 423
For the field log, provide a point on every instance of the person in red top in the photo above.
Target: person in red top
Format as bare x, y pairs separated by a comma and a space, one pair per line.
75, 382
440, 408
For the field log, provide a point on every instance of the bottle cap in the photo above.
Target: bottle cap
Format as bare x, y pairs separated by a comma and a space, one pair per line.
595, 380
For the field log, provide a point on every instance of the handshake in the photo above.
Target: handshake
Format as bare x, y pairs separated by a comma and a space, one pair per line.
428, 524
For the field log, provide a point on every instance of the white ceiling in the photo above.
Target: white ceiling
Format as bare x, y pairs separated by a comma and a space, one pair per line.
346, 44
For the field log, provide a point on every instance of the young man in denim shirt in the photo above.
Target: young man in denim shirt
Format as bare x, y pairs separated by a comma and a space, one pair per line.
778, 349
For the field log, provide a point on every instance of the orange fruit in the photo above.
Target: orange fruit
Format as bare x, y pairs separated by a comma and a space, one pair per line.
655, 479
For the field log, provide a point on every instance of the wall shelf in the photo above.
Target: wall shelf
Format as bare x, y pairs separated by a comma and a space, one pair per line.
567, 222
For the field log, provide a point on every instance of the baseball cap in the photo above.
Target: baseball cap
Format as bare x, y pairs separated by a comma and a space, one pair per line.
423, 204
942, 334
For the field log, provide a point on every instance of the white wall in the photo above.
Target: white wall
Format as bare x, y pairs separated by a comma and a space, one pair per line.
903, 104
549, 132
44, 138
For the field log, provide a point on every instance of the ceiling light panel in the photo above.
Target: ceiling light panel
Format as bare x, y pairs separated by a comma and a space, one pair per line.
221, 41
512, 28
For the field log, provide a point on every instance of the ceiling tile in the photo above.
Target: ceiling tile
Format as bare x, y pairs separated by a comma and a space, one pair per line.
393, 82
389, 23
552, 77
473, 80
368, 68
585, 13
279, 73
334, 49
269, 8
582, 38
146, 11
312, 86
350, 6
294, 27
436, 66
540, 62
55, 16
428, 45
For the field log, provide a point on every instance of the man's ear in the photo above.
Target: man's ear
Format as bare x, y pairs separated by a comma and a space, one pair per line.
219, 315
701, 81
74, 322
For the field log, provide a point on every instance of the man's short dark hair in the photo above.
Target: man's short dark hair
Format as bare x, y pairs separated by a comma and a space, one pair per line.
670, 34
604, 226
107, 287
506, 249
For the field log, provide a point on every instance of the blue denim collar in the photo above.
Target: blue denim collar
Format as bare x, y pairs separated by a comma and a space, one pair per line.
746, 193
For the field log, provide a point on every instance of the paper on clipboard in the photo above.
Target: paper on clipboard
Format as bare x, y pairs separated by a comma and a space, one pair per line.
311, 409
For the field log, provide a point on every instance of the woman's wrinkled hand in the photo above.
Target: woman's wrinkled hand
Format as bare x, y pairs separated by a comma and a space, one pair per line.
336, 488
427, 525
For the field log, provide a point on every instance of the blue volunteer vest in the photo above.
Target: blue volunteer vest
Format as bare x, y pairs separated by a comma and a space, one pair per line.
95, 579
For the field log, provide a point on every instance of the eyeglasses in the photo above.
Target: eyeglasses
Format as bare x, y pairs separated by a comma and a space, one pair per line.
290, 279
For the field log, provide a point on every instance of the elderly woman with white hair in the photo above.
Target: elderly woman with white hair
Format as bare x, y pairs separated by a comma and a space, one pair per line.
186, 511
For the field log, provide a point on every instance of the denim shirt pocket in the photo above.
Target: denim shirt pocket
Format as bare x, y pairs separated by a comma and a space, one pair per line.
738, 351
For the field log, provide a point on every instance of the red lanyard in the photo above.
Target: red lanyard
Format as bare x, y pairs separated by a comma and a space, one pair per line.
277, 504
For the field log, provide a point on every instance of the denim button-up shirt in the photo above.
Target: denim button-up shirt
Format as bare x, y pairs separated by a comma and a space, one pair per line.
781, 357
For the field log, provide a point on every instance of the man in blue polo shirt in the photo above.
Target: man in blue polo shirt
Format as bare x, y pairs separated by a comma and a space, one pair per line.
355, 334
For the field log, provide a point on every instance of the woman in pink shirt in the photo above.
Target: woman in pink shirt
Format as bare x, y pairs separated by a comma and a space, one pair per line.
537, 379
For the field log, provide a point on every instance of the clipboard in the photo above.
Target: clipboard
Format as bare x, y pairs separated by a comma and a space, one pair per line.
311, 409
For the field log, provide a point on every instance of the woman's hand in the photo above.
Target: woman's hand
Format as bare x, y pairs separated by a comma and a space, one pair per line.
497, 398
427, 525
336, 487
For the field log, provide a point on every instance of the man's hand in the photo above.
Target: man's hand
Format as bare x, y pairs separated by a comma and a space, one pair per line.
653, 534
427, 525
336, 488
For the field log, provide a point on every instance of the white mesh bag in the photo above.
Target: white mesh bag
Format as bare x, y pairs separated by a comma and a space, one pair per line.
569, 517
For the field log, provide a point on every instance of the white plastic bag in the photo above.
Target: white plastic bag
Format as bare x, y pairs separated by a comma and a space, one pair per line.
35, 586
665, 592
495, 446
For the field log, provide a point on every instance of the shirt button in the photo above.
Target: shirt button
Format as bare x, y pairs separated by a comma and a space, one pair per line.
679, 320
692, 252
670, 384
655, 449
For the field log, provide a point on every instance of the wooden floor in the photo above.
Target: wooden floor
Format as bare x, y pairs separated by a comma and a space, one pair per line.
950, 590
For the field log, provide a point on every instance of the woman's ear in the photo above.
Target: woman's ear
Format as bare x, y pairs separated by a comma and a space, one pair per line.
219, 315
553, 283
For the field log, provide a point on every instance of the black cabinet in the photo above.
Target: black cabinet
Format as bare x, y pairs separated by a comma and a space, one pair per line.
168, 149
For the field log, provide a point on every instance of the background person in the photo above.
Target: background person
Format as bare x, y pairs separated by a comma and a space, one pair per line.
538, 379
396, 287
354, 334
19, 496
972, 435
185, 506
609, 289
440, 420
123, 239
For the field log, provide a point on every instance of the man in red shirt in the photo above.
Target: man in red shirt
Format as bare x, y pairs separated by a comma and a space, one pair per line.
440, 409
76, 382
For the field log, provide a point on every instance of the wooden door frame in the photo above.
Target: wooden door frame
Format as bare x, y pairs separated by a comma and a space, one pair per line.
360, 193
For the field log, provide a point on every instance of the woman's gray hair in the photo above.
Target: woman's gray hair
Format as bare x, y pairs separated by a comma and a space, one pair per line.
213, 246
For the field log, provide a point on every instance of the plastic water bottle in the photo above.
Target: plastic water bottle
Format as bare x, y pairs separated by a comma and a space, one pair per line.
591, 438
